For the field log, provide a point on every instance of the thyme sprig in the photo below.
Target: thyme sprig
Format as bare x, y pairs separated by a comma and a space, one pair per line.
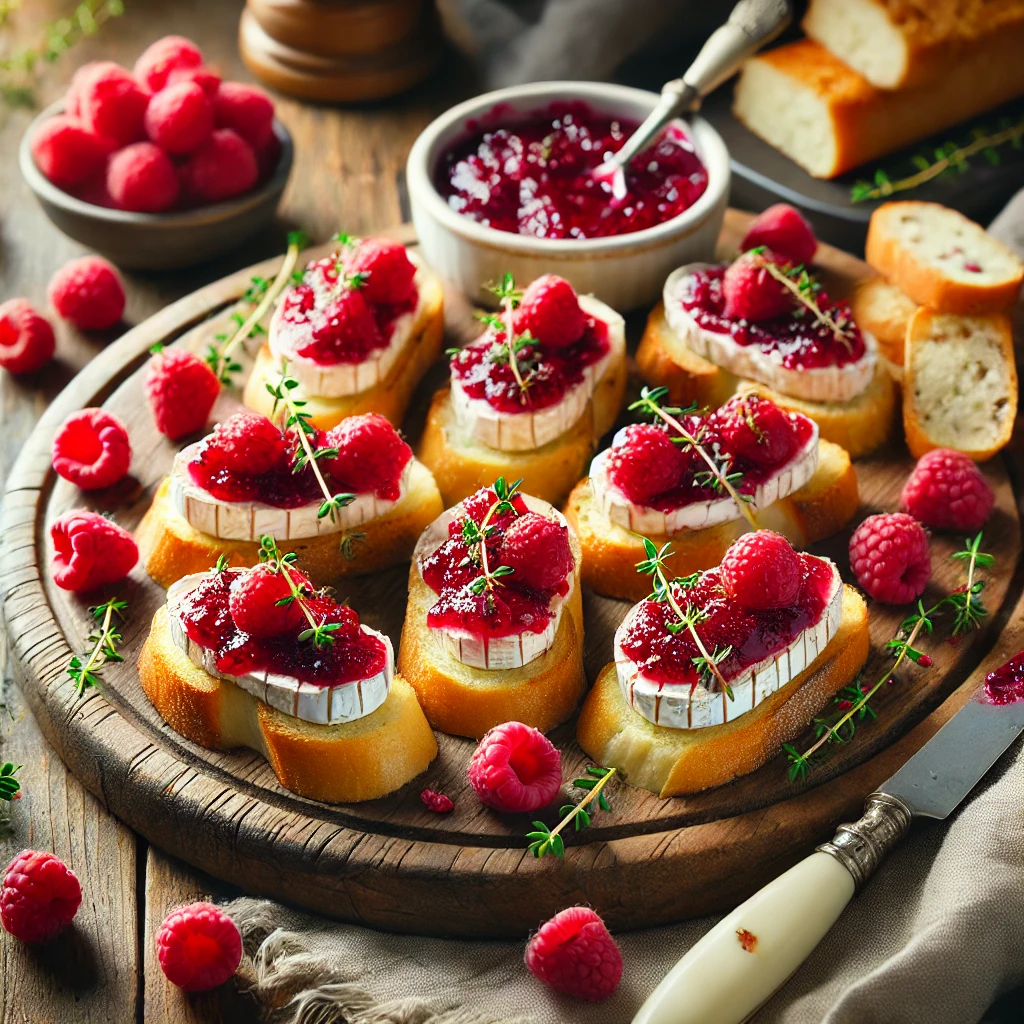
473, 534
650, 402
103, 642
510, 297
320, 634
544, 840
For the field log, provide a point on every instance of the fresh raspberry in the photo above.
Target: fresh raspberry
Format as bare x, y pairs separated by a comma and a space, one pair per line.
95, 191
91, 449
751, 293
537, 548
26, 337
40, 896
268, 155
90, 550
644, 462
222, 167
141, 178
254, 601
88, 292
390, 271
73, 97
67, 152
946, 491
575, 953
159, 59
206, 78
371, 456
784, 230
551, 312
890, 558
245, 443
181, 389
754, 428
437, 802
761, 570
112, 104
199, 947
246, 110
179, 118
515, 768
348, 333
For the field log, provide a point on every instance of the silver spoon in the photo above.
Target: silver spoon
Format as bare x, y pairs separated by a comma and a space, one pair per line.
751, 25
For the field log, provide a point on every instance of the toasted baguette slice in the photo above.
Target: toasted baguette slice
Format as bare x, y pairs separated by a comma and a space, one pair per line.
390, 398
960, 384
171, 548
674, 762
822, 507
360, 760
884, 311
928, 251
860, 425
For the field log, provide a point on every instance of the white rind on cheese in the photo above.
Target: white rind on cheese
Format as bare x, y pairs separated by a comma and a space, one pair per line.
813, 384
698, 515
249, 520
524, 431
493, 652
675, 707
324, 705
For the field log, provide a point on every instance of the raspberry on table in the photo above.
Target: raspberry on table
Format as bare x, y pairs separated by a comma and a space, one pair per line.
26, 338
163, 57
179, 119
371, 456
245, 109
389, 269
254, 601
40, 896
537, 549
761, 570
515, 768
245, 442
437, 802
575, 953
199, 947
889, 556
112, 104
644, 462
550, 312
783, 229
88, 292
141, 178
751, 293
91, 449
181, 389
754, 428
946, 491
67, 152
224, 166
90, 550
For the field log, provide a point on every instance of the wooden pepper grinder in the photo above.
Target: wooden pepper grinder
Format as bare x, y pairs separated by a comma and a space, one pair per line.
340, 51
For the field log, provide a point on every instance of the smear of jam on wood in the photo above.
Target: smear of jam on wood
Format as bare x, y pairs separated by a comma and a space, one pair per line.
748, 940
1006, 684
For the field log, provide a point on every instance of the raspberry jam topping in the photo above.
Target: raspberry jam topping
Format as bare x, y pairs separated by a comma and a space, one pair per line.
799, 342
752, 634
533, 176
1006, 684
353, 654
455, 572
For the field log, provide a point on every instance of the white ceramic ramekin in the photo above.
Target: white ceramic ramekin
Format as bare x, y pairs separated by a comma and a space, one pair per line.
626, 271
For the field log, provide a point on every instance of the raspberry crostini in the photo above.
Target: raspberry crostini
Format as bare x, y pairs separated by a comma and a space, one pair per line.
701, 480
531, 397
357, 333
494, 628
715, 671
349, 501
258, 658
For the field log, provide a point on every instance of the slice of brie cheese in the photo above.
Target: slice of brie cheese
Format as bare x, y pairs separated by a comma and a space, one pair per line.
526, 430
493, 652
325, 705
698, 515
676, 706
249, 520
813, 383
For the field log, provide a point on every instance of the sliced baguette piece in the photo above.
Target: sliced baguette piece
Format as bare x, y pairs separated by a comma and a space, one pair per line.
171, 548
675, 762
360, 760
941, 259
884, 311
819, 509
960, 383
807, 103
860, 425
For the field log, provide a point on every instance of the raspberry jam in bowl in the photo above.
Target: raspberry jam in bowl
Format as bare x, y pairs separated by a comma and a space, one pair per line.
501, 183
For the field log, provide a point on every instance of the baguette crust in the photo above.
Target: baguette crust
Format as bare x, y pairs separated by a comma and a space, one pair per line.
860, 425
675, 762
170, 548
360, 760
819, 509
884, 311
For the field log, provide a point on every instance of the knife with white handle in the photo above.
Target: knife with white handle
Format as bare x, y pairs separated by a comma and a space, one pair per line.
735, 967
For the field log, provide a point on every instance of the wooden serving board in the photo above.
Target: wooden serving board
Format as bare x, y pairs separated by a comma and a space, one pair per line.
391, 863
